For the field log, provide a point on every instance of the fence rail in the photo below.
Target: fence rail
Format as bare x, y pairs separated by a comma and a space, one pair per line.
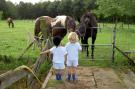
125, 54
96, 44
10, 77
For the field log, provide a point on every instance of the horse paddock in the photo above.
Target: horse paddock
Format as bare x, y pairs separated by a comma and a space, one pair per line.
95, 72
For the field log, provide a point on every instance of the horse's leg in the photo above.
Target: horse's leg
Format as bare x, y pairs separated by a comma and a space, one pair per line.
92, 46
84, 40
9, 24
12, 25
87, 47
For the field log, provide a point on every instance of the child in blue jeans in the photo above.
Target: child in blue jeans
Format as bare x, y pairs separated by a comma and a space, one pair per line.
73, 47
59, 55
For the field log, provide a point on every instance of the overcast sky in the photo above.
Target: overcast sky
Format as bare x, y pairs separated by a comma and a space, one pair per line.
32, 1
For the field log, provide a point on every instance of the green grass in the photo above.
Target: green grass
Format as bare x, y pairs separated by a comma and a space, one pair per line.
14, 40
103, 54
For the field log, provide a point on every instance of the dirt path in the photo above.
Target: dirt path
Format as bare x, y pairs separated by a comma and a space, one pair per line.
90, 78
129, 80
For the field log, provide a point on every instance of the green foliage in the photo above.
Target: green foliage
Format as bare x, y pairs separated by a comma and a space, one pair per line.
25, 10
65, 8
44, 69
121, 10
129, 7
115, 8
11, 10
1, 12
2, 5
79, 8
109, 7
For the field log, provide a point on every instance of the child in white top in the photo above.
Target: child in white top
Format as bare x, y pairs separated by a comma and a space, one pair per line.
59, 54
73, 47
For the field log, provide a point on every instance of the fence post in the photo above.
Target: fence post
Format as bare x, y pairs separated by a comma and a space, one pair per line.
114, 42
36, 67
0, 85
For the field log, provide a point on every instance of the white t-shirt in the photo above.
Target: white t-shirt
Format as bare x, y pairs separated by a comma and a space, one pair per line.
72, 50
58, 54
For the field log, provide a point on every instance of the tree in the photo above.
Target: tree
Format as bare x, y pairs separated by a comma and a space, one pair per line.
2, 5
25, 10
65, 8
90, 4
129, 9
11, 10
116, 8
1, 14
79, 9
3, 8
110, 8
52, 8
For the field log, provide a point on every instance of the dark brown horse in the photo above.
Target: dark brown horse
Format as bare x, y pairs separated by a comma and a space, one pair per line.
86, 29
10, 22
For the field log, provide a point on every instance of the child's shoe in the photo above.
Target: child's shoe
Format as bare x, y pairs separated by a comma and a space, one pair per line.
74, 77
69, 77
57, 76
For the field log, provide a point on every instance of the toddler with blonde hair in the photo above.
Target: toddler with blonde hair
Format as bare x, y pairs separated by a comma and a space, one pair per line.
73, 47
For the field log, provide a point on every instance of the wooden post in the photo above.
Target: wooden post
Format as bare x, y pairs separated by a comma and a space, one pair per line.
12, 76
36, 67
47, 79
114, 42
125, 54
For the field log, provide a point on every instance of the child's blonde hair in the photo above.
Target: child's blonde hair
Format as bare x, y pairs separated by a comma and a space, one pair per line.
73, 37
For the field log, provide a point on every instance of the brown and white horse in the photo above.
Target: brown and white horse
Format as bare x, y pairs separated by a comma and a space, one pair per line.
10, 22
43, 25
66, 21
50, 27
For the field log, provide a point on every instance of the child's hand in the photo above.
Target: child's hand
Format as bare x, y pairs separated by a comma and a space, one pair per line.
47, 51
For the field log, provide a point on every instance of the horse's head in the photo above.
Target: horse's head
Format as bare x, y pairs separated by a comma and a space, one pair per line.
81, 30
70, 24
87, 18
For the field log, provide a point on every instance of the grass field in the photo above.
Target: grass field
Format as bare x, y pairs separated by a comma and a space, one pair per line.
14, 40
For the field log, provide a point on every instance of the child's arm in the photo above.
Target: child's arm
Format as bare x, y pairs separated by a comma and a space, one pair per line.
47, 51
